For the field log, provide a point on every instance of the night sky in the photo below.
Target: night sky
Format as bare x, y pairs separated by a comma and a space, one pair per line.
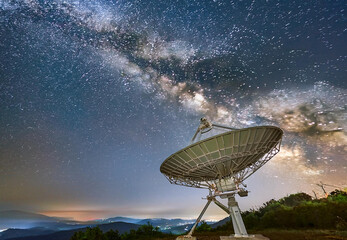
94, 95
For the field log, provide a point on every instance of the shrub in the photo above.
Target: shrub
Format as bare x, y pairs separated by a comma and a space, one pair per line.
299, 211
203, 227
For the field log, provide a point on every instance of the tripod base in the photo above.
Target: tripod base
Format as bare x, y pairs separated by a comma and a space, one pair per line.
250, 237
235, 214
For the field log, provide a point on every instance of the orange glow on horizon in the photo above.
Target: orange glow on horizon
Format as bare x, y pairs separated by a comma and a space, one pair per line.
91, 215
77, 215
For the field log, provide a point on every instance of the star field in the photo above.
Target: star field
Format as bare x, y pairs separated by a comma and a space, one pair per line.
95, 95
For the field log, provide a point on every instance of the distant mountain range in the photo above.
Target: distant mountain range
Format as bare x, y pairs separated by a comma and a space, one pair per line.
120, 219
16, 233
157, 222
163, 223
31, 226
25, 220
220, 223
67, 234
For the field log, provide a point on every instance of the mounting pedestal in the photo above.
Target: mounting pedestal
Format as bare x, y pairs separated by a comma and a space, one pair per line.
250, 237
235, 214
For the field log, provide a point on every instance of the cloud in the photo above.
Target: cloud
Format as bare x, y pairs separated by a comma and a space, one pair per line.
293, 161
318, 113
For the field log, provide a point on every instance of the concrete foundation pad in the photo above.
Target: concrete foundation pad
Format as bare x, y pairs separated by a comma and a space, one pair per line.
186, 238
250, 237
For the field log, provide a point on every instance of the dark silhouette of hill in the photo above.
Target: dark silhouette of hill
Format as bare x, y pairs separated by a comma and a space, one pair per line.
120, 219
165, 222
67, 234
15, 233
220, 223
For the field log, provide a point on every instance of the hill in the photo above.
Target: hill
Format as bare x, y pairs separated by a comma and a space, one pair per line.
121, 227
220, 223
120, 219
163, 223
15, 233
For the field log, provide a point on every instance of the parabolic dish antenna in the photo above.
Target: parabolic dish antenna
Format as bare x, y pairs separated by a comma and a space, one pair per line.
221, 163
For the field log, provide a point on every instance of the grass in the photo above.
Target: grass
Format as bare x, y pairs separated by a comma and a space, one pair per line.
275, 234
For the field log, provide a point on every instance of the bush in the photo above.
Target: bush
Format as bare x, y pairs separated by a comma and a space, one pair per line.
90, 234
204, 227
112, 235
251, 220
341, 224
298, 211
143, 232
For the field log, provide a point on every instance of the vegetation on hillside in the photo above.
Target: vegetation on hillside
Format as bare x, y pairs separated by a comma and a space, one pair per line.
298, 211
144, 232
203, 227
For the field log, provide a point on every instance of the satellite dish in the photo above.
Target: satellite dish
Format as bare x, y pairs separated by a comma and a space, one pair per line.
221, 163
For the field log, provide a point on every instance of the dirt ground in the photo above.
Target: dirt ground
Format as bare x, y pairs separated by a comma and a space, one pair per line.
283, 235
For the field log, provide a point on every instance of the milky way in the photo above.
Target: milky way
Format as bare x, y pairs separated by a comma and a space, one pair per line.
94, 96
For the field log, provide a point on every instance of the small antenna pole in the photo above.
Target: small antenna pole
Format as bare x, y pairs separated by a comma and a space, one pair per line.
315, 195
322, 186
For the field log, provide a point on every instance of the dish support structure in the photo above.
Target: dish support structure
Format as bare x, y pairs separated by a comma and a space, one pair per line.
224, 188
232, 209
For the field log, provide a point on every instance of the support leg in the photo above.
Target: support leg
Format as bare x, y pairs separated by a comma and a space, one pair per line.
199, 218
221, 205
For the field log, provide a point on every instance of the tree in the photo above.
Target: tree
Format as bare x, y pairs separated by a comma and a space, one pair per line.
78, 236
112, 235
204, 227
295, 199
94, 234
